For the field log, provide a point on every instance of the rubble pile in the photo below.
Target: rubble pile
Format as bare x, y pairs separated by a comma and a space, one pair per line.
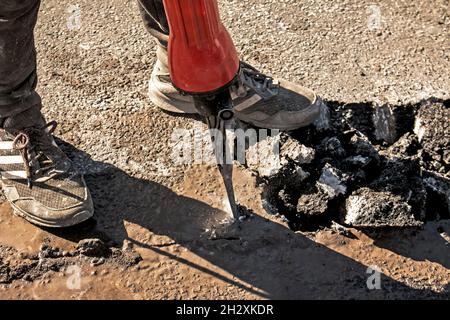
370, 167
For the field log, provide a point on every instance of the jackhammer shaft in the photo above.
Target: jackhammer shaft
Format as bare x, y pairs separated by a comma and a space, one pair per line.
218, 131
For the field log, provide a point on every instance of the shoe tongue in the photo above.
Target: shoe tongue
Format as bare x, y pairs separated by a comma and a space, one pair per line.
31, 117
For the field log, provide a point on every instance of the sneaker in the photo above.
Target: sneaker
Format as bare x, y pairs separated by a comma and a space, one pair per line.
38, 179
264, 102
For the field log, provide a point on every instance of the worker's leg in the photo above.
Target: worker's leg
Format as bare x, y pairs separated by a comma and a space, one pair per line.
17, 56
161, 90
155, 20
36, 177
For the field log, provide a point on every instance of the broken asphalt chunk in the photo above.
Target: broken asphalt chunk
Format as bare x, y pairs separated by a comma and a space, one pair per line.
293, 150
369, 208
432, 128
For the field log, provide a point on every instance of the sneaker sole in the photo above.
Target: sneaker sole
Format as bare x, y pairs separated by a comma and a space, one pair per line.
313, 112
72, 221
163, 103
63, 223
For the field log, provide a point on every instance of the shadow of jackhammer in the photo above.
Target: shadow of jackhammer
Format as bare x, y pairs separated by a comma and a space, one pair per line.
271, 260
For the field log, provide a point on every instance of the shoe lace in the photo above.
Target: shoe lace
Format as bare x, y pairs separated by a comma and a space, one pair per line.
32, 143
264, 85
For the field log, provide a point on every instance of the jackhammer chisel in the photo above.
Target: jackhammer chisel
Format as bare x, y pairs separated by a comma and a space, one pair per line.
203, 63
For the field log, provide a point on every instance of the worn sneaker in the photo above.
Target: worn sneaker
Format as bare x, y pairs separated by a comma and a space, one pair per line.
39, 180
264, 102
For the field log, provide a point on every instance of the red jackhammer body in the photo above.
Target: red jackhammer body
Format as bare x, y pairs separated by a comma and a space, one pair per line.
202, 56
203, 62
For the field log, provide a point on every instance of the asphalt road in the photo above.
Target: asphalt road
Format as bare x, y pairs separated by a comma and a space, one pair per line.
93, 79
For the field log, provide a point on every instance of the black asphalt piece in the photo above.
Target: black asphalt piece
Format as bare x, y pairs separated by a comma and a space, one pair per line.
386, 174
369, 208
432, 126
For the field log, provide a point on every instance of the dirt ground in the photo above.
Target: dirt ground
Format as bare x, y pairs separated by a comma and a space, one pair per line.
158, 229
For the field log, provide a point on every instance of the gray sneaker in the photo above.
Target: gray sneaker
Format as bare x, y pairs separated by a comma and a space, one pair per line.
39, 180
265, 102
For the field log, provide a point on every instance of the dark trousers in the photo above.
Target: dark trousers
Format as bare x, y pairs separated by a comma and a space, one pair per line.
18, 76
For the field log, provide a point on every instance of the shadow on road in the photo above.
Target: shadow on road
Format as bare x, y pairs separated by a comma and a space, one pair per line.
267, 258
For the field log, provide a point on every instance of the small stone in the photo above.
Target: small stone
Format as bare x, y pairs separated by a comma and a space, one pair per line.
97, 261
332, 181
44, 246
22, 255
65, 253
46, 251
92, 248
